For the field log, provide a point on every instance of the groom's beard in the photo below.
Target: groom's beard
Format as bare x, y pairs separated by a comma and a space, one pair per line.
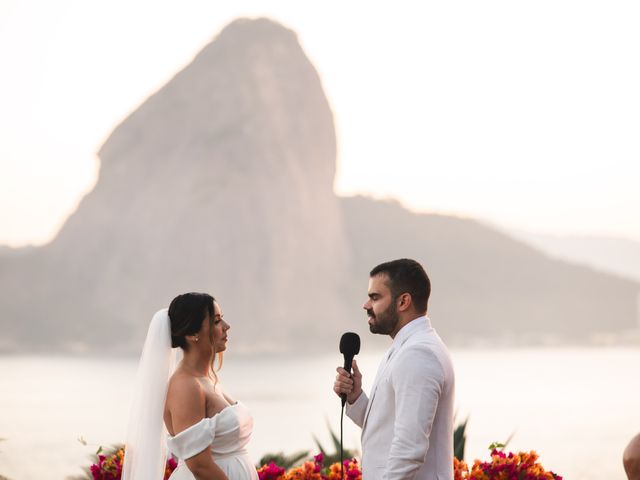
385, 322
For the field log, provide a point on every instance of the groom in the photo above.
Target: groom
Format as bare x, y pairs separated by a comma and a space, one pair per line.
407, 421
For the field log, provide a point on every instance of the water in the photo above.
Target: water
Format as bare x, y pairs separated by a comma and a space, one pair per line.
577, 407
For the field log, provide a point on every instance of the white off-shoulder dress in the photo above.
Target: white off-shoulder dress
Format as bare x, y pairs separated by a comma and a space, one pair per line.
227, 433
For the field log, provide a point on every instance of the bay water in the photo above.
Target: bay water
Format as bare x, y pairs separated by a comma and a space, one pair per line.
577, 407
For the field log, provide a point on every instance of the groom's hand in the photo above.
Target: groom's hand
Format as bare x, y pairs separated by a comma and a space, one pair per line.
351, 384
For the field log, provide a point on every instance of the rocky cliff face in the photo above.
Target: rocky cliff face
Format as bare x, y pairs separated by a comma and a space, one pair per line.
222, 182
219, 182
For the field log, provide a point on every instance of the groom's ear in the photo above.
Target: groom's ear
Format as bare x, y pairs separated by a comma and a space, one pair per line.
404, 302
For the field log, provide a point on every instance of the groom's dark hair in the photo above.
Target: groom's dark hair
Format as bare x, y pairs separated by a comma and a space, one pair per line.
406, 276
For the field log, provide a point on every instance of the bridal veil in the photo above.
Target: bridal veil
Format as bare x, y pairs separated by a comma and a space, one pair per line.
146, 450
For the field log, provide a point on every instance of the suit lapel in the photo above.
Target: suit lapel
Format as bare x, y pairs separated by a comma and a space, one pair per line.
381, 369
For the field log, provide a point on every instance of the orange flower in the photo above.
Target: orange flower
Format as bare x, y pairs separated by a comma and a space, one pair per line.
505, 466
308, 471
460, 470
351, 471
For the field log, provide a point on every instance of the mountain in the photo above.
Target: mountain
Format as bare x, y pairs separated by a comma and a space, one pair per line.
613, 255
487, 284
222, 181
200, 189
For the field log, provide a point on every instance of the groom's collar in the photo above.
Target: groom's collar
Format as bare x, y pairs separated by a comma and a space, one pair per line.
409, 329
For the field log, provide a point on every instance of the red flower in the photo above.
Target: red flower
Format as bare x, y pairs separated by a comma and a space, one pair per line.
270, 472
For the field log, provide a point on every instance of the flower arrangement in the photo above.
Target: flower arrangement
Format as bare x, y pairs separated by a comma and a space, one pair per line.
504, 466
501, 466
312, 470
109, 467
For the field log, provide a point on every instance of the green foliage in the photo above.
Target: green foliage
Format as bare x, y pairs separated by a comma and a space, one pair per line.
282, 460
499, 445
288, 461
86, 475
334, 457
459, 439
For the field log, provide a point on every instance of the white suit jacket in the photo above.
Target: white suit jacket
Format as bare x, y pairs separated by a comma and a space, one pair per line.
407, 422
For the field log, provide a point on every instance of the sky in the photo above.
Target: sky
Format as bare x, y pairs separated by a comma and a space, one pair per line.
524, 115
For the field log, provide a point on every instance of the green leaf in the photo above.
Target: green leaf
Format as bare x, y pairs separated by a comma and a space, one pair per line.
319, 445
496, 446
334, 437
506, 442
460, 439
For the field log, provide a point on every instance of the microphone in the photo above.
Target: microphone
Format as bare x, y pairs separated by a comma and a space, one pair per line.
349, 347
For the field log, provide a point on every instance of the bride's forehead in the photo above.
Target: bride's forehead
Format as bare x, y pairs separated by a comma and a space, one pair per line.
216, 309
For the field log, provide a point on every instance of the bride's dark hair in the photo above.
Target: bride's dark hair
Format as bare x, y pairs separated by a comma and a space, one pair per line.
186, 314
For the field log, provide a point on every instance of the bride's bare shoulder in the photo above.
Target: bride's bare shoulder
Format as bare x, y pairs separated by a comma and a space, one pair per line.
185, 404
183, 387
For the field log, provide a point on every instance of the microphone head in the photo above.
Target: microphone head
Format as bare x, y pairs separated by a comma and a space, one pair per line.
350, 344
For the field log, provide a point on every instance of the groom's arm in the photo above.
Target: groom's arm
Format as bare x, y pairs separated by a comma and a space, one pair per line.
356, 410
418, 380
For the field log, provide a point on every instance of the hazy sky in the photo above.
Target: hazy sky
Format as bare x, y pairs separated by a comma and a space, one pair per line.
523, 114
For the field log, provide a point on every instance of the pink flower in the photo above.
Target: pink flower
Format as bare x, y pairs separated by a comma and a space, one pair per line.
95, 472
270, 472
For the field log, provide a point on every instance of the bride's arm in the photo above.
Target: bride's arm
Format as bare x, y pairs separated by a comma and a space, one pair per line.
203, 467
186, 402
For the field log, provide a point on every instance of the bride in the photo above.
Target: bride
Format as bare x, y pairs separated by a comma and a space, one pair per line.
208, 431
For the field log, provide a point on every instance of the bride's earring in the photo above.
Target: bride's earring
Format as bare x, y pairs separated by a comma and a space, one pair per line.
197, 338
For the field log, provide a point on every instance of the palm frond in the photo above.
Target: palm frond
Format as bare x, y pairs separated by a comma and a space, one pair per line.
460, 439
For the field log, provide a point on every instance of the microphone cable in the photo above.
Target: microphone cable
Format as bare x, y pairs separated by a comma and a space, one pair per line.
341, 447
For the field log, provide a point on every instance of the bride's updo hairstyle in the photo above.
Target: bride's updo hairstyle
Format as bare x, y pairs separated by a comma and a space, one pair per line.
186, 314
